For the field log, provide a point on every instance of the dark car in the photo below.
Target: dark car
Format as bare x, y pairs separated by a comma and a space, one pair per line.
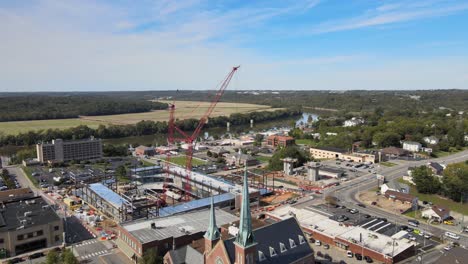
319, 254
358, 256
327, 257
409, 230
16, 260
366, 216
36, 255
383, 219
361, 205
368, 259
403, 227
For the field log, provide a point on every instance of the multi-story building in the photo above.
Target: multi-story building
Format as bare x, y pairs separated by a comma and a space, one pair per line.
337, 153
280, 141
28, 225
60, 151
412, 146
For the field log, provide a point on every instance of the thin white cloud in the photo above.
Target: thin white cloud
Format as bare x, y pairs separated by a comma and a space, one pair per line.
393, 13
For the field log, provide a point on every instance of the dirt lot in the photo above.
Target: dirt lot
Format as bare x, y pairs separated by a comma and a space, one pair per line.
387, 204
278, 198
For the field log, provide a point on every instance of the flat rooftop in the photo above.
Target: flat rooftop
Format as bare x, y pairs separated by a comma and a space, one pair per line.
149, 168
322, 224
176, 225
332, 149
107, 194
14, 212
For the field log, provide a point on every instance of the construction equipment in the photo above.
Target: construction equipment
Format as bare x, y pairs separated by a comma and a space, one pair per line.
189, 139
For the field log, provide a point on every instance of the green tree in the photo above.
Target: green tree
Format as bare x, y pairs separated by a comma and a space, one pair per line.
68, 257
121, 173
52, 257
387, 139
151, 257
425, 181
455, 179
294, 152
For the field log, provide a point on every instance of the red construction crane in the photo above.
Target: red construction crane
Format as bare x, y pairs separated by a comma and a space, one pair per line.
189, 139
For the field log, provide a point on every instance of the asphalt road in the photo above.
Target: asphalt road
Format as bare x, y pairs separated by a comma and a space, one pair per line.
347, 192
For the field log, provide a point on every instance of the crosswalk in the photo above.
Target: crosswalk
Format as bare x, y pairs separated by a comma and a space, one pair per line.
87, 242
95, 254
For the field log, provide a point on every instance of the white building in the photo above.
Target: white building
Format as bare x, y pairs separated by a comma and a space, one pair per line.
412, 146
353, 122
431, 140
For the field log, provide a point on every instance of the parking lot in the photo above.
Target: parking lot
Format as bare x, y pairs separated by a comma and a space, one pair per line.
354, 217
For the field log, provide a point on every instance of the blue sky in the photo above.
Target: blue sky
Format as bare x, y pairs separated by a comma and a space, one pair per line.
60, 45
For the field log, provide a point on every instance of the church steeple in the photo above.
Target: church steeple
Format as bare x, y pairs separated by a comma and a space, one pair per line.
213, 232
245, 236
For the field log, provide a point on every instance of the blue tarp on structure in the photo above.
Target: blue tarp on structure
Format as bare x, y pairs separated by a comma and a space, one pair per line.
107, 194
195, 204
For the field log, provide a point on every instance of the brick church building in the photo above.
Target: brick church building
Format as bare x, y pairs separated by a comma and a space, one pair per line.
278, 243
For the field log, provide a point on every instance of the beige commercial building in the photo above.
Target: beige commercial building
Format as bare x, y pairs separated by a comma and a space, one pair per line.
337, 153
60, 151
28, 225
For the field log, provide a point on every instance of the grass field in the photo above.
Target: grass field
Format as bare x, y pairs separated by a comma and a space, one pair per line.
184, 110
181, 161
17, 127
309, 142
438, 200
263, 159
387, 164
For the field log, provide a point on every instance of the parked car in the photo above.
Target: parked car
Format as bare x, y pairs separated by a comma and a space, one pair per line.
354, 211
368, 259
36, 255
327, 257
374, 203
448, 247
326, 246
403, 227
358, 256
349, 254
413, 223
318, 243
452, 235
361, 205
16, 260
366, 216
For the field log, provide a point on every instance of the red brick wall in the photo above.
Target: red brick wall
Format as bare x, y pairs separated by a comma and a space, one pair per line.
218, 251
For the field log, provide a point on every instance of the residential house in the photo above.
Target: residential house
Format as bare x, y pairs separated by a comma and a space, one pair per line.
437, 213
436, 168
431, 140
394, 186
402, 197
412, 146
353, 122
394, 152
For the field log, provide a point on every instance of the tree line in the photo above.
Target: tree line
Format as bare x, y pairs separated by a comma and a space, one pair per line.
387, 128
40, 107
141, 128
453, 183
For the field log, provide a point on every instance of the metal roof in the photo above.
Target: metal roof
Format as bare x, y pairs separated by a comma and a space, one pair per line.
176, 225
195, 204
107, 194
145, 169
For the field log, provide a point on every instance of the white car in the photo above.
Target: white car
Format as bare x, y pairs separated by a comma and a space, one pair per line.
452, 235
349, 254
318, 243
412, 238
427, 235
448, 247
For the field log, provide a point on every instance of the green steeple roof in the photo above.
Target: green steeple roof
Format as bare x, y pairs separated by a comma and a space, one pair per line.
245, 236
213, 232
